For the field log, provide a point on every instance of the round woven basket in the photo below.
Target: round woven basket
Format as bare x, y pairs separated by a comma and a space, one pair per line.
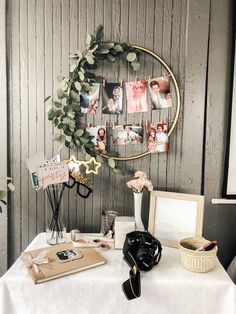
196, 261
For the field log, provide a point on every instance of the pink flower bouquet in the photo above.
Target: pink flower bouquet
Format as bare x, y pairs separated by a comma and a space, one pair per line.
140, 182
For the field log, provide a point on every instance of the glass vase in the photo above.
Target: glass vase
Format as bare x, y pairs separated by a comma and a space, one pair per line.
55, 219
138, 211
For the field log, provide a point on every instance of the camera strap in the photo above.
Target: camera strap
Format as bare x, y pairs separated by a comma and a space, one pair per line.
132, 287
157, 257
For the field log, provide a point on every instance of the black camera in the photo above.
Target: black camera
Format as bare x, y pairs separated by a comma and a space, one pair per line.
141, 252
142, 246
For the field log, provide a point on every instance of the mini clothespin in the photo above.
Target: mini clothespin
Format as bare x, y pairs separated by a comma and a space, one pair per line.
103, 82
121, 83
146, 122
149, 77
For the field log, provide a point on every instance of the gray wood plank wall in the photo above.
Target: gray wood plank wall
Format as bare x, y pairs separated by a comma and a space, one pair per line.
3, 137
192, 36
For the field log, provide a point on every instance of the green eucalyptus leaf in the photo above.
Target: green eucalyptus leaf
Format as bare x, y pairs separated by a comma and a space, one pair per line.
118, 48
11, 187
86, 134
84, 140
66, 109
99, 32
78, 85
56, 121
67, 132
93, 48
57, 104
79, 132
88, 145
76, 107
73, 95
68, 139
71, 114
79, 53
60, 93
73, 67
89, 59
112, 153
131, 56
103, 51
86, 87
111, 163
81, 75
66, 120
51, 114
88, 40
135, 66
107, 45
60, 126
3, 194
47, 98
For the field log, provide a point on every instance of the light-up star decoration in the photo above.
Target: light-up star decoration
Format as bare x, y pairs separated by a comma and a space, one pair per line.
92, 166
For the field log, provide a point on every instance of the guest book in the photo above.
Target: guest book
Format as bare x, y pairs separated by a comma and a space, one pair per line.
63, 259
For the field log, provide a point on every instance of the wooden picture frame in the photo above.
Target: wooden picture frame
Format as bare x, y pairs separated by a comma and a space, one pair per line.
174, 216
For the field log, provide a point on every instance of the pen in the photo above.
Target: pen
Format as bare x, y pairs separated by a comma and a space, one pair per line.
208, 246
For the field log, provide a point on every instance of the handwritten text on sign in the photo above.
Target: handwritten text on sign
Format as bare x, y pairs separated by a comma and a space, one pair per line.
53, 174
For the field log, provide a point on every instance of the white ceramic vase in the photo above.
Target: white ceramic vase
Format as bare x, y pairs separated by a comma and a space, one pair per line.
137, 211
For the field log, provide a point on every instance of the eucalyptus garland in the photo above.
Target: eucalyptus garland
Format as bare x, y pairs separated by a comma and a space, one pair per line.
66, 112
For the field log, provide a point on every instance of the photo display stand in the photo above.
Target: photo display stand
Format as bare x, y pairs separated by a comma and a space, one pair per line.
177, 110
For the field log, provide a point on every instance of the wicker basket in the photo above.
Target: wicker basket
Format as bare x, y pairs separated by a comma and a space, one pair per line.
196, 261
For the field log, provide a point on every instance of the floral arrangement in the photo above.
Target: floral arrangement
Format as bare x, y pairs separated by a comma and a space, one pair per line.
140, 182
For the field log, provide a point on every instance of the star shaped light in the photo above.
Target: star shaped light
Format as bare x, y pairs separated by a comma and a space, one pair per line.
92, 166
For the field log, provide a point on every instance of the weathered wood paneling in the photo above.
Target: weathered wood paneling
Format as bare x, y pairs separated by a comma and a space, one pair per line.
42, 34
3, 136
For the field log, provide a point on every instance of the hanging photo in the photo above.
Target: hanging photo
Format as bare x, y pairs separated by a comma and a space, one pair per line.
127, 134
112, 99
89, 101
157, 137
100, 138
136, 97
159, 89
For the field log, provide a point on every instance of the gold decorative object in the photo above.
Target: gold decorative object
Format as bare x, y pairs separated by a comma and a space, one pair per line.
177, 112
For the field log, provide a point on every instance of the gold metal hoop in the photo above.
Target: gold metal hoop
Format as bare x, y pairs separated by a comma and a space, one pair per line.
177, 112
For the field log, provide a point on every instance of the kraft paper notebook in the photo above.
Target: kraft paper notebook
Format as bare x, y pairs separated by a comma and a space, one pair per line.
87, 258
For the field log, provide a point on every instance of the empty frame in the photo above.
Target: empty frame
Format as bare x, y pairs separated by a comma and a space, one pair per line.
174, 216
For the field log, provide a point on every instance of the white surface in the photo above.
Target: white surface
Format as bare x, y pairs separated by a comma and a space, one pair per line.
175, 219
222, 201
166, 289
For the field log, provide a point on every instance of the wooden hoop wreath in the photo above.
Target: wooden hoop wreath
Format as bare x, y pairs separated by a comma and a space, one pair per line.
177, 112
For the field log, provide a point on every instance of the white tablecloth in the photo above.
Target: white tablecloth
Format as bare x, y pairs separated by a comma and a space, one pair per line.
167, 289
